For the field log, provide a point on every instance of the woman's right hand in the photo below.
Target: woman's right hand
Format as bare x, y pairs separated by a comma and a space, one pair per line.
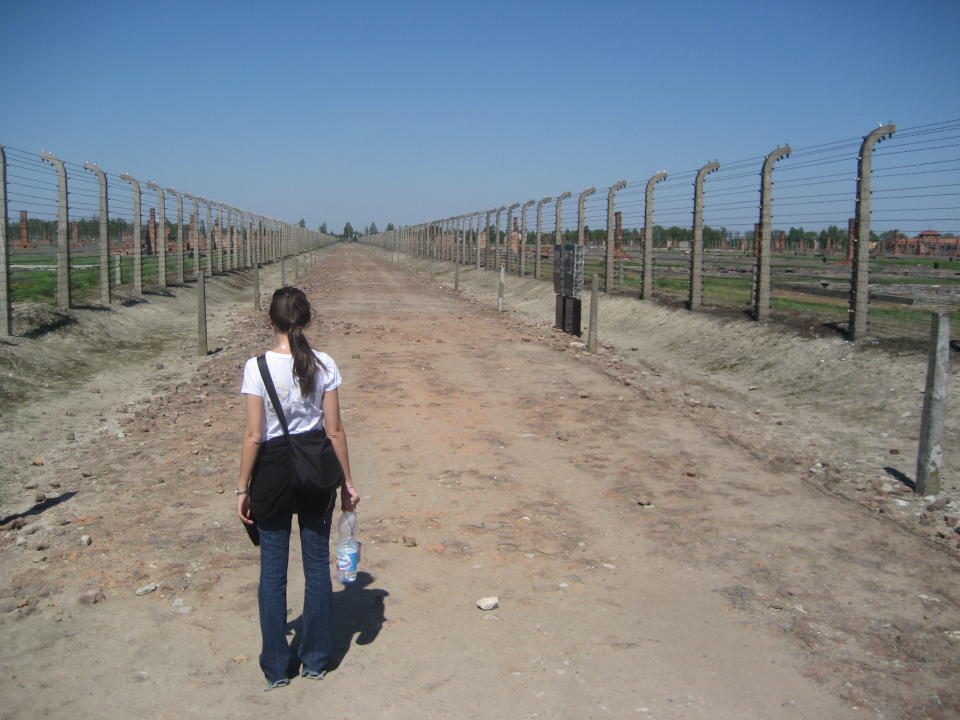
349, 498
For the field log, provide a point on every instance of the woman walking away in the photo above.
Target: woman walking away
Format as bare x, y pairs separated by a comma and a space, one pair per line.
306, 383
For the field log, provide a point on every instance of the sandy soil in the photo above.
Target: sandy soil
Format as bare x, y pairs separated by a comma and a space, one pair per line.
659, 549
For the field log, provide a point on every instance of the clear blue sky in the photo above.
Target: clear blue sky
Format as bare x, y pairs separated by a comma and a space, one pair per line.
406, 111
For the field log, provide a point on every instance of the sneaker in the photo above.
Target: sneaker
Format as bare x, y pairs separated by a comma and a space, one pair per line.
277, 684
313, 674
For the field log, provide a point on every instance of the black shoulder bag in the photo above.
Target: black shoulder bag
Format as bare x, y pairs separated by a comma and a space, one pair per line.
313, 464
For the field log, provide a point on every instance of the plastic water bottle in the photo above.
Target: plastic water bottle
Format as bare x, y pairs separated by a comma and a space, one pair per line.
348, 549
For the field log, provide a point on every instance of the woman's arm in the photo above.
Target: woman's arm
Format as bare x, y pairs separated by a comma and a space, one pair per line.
250, 446
349, 497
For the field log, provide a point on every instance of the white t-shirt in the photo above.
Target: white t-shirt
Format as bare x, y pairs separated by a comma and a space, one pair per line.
302, 414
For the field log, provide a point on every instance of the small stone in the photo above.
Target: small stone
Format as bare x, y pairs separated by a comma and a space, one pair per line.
121, 434
31, 529
38, 461
488, 603
40, 497
240, 658
55, 485
71, 436
408, 541
645, 501
146, 589
219, 489
16, 523
584, 395
951, 519
140, 676
894, 451
938, 503
92, 597
578, 345
85, 540
158, 366
20, 541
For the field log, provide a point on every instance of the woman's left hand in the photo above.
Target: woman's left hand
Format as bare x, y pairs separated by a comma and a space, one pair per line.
243, 508
349, 498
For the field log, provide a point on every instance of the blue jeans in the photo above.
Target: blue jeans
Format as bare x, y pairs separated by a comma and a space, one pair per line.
315, 640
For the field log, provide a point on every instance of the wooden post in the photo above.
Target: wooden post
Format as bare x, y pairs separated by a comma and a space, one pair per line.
503, 280
256, 286
594, 300
201, 316
930, 455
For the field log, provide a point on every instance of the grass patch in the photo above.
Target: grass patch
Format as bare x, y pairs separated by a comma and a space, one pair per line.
40, 285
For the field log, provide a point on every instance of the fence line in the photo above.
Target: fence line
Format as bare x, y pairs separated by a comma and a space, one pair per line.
69, 229
858, 234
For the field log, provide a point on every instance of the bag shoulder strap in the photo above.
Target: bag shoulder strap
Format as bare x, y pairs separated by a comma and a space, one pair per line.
272, 392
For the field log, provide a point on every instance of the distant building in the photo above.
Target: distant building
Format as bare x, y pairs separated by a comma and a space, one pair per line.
928, 242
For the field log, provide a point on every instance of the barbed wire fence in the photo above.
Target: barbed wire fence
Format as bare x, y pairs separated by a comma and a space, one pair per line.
74, 235
858, 236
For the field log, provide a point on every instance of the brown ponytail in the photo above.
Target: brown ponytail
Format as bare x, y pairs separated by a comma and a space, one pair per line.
290, 313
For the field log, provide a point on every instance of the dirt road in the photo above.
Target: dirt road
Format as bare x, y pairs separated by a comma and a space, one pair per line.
650, 560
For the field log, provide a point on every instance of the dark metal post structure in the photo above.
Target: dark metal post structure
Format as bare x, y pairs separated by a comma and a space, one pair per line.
761, 286
137, 236
180, 243
581, 223
522, 244
161, 239
103, 233
63, 241
646, 288
611, 228
507, 252
536, 264
557, 233
860, 280
6, 304
695, 297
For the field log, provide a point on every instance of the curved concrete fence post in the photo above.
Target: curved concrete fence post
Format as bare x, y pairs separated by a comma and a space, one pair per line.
137, 235
103, 232
581, 224
539, 245
608, 275
522, 244
63, 241
161, 238
695, 296
558, 233
761, 275
6, 298
860, 279
180, 243
507, 243
646, 287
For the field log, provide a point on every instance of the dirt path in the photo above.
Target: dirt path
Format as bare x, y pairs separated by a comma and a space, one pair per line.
651, 559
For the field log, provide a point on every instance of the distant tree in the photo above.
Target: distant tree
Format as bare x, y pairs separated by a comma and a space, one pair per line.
348, 232
390, 227
322, 228
302, 223
372, 229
